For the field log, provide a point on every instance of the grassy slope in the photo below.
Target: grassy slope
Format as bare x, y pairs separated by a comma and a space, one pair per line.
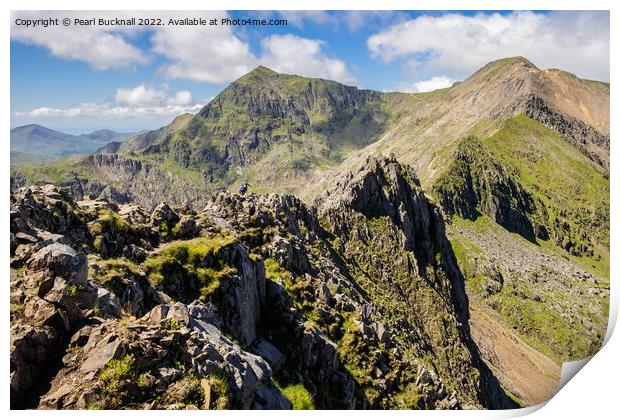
545, 316
573, 189
53, 171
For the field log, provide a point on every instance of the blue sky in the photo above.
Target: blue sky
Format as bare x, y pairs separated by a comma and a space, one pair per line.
79, 79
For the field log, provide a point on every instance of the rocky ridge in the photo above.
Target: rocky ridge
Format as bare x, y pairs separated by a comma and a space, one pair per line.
236, 305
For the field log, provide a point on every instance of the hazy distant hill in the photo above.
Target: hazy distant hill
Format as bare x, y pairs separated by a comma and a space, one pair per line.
36, 140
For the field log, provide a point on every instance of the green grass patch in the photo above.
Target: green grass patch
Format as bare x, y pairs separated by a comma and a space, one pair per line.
298, 396
185, 392
116, 268
220, 393
196, 261
114, 379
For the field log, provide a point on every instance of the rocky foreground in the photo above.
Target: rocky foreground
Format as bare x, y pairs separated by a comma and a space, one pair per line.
256, 302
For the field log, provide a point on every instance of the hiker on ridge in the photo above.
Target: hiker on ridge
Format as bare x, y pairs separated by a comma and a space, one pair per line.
243, 188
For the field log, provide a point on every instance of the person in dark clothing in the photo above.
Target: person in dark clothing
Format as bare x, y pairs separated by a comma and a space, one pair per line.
243, 188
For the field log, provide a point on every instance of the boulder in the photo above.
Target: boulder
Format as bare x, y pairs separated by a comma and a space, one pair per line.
74, 297
164, 214
39, 311
31, 351
101, 353
62, 260
187, 227
108, 304
319, 353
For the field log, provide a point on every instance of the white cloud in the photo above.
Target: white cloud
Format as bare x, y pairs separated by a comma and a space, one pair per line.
434, 83
102, 47
225, 57
182, 97
128, 103
139, 95
456, 44
212, 54
110, 111
305, 57
204, 53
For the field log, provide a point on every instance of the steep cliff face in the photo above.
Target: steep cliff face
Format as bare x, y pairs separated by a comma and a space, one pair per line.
591, 142
124, 179
393, 242
528, 182
478, 182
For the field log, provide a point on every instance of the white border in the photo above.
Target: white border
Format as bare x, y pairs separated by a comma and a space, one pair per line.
593, 393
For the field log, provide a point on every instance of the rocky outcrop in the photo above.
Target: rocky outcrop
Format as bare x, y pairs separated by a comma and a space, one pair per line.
167, 346
124, 180
64, 280
382, 188
31, 351
478, 182
382, 207
163, 215
46, 209
242, 295
209, 310
587, 139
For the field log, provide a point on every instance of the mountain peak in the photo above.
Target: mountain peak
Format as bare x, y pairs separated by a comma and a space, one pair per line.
515, 65
31, 127
264, 70
258, 73
372, 186
516, 60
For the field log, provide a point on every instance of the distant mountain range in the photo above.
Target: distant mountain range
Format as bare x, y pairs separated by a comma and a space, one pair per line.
34, 142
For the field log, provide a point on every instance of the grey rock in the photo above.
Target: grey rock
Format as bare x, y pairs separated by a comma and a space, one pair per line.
38, 311
74, 297
101, 354
242, 295
164, 214
62, 260
108, 303
31, 347
270, 353
168, 375
187, 227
